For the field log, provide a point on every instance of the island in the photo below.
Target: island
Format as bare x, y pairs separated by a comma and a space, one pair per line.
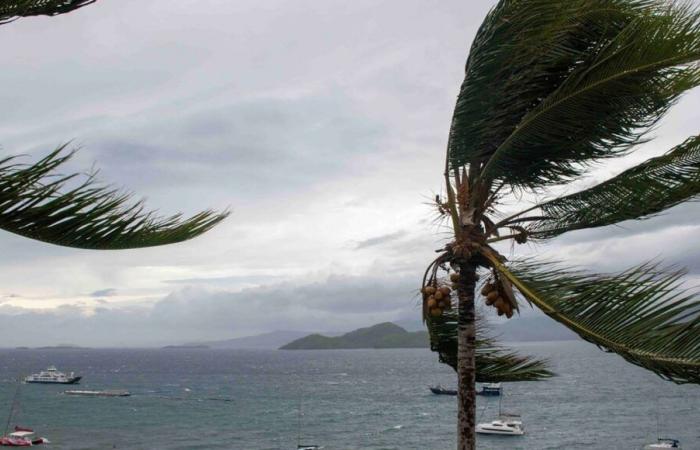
383, 335
185, 347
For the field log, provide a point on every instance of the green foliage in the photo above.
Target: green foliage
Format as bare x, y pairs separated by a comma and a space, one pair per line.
13, 9
640, 314
637, 193
552, 85
35, 203
383, 335
494, 363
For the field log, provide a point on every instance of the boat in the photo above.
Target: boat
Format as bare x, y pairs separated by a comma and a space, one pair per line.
439, 390
107, 393
52, 376
490, 389
301, 446
22, 437
506, 425
664, 443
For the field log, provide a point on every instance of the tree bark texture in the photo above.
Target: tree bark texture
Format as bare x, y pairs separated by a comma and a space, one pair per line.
466, 367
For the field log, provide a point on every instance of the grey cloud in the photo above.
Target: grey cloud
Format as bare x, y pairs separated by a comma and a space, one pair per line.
339, 303
380, 240
104, 293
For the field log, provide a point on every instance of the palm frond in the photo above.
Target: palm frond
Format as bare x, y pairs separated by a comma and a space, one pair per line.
88, 215
638, 193
551, 85
13, 9
494, 363
640, 314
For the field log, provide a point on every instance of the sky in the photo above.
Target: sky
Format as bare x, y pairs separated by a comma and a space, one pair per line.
321, 125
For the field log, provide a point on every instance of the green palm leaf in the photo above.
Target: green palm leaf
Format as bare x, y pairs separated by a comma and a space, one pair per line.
551, 85
35, 203
639, 314
494, 363
640, 192
12, 9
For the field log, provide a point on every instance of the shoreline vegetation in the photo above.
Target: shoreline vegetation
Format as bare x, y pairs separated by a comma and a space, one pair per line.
383, 335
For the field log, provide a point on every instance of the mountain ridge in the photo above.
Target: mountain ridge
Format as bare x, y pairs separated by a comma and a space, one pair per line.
382, 335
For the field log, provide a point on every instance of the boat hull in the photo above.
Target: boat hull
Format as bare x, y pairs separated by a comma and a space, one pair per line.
74, 380
438, 391
499, 432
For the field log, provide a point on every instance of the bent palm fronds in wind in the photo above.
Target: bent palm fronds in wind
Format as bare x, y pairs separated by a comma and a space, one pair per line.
494, 363
12, 9
552, 87
35, 203
642, 191
640, 314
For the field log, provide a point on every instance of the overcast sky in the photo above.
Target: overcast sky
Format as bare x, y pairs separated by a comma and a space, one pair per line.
321, 124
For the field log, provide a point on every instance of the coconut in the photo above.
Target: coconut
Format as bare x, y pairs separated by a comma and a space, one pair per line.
492, 296
429, 290
432, 303
488, 287
500, 304
500, 313
454, 277
439, 295
445, 291
436, 312
509, 313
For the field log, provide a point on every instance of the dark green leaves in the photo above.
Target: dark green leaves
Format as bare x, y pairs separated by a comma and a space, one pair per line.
12, 9
36, 203
639, 314
552, 85
493, 362
639, 192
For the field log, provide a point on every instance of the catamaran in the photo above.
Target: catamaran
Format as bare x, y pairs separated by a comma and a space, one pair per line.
22, 437
505, 425
664, 443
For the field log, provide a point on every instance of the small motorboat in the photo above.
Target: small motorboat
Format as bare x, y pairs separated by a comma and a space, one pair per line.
664, 443
22, 437
439, 390
506, 425
490, 389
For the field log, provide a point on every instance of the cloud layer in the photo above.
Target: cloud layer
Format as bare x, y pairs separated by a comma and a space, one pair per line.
321, 124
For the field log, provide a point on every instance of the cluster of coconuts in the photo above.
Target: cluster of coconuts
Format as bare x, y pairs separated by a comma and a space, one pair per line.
496, 297
437, 299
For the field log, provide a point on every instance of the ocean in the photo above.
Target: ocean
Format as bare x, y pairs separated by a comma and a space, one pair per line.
350, 399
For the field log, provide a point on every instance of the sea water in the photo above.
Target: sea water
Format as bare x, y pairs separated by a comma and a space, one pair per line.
350, 399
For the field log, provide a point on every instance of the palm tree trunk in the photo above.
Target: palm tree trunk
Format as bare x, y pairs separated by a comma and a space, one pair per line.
466, 367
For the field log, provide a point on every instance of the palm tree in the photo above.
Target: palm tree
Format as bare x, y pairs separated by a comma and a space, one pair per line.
72, 210
552, 86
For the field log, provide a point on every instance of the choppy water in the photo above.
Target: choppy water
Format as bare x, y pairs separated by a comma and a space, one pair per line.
357, 399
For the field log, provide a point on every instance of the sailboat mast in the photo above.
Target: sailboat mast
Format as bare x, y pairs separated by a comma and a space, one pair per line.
13, 407
299, 424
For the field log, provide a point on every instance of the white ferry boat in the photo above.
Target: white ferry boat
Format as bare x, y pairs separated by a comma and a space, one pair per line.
52, 376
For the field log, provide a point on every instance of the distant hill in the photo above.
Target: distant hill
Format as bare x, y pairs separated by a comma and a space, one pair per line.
185, 347
272, 341
533, 328
383, 335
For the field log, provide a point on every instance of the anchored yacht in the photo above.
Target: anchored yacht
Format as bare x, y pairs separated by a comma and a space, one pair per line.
664, 443
506, 425
52, 376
